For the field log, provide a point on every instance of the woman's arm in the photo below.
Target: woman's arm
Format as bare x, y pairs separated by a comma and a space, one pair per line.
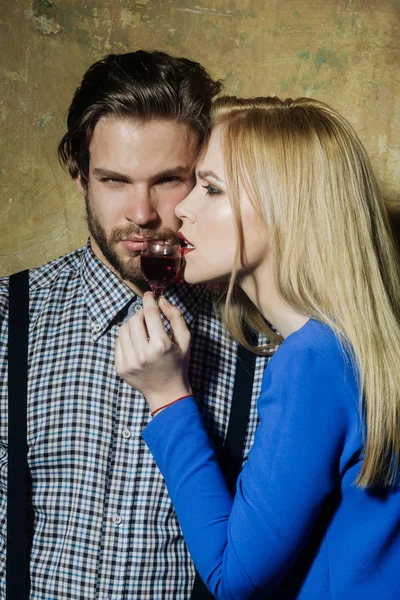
244, 547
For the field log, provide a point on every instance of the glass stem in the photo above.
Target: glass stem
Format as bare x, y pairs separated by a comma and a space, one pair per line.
157, 293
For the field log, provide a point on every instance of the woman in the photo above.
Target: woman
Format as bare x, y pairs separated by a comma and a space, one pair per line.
286, 205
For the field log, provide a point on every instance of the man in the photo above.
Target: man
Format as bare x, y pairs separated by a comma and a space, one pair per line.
104, 527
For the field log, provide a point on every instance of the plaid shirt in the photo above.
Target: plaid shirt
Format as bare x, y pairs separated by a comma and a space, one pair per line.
104, 527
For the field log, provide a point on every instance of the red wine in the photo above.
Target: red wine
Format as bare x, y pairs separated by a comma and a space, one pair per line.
159, 271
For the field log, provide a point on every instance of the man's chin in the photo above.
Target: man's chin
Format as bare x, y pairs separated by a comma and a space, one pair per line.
129, 268
125, 265
122, 262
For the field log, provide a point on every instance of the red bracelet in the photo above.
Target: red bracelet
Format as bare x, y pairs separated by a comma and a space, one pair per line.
153, 414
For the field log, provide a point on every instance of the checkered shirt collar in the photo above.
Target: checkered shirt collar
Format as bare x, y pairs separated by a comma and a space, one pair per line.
106, 295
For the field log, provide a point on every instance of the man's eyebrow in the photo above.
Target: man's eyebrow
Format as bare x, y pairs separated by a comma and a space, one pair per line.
205, 174
106, 173
179, 170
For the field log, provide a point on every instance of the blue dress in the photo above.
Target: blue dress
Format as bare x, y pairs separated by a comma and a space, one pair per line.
298, 526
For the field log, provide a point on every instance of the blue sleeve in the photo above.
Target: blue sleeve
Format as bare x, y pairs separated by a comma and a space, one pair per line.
243, 548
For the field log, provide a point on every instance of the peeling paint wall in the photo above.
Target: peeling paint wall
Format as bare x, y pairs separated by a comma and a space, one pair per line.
345, 52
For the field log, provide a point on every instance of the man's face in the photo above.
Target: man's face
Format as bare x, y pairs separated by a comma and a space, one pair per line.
138, 173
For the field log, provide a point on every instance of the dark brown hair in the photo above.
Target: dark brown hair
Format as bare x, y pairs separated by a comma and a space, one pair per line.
137, 85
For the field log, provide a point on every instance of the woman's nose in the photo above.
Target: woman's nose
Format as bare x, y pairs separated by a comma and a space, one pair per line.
185, 208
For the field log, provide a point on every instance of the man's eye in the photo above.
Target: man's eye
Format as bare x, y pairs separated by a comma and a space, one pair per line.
211, 190
110, 180
171, 179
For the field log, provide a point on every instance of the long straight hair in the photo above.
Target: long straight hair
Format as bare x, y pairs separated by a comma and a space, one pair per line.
335, 259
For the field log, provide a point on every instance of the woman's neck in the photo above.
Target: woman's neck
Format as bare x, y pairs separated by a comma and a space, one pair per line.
261, 289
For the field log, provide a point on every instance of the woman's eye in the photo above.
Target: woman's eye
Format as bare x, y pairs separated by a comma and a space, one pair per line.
211, 190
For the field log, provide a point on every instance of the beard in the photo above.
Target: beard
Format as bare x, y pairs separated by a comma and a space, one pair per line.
127, 268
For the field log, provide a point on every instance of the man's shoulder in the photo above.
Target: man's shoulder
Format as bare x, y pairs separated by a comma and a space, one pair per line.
47, 273
42, 278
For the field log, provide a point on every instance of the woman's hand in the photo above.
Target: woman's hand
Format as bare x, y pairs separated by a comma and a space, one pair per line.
147, 358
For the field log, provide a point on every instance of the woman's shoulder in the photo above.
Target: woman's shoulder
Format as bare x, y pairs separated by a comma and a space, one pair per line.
314, 356
314, 341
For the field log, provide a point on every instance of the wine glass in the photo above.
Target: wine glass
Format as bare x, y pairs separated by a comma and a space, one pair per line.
160, 261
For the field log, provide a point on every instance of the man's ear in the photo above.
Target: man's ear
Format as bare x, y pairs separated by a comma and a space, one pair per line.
79, 185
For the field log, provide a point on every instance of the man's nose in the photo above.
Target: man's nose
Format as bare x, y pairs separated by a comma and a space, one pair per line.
139, 207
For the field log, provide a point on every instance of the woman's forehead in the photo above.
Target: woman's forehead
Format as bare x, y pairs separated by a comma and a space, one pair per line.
212, 154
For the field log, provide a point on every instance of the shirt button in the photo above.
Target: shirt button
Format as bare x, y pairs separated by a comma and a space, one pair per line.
126, 434
96, 327
117, 520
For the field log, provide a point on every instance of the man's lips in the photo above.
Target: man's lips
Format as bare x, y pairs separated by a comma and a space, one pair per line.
133, 244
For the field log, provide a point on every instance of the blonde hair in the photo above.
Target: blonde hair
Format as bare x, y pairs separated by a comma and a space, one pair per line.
335, 259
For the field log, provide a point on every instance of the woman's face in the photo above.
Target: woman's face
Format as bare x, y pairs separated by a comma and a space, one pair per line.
209, 226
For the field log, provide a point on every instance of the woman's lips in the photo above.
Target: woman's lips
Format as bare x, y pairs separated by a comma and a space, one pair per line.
186, 249
186, 245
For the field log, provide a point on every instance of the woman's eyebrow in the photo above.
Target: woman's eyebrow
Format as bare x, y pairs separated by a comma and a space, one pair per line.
204, 174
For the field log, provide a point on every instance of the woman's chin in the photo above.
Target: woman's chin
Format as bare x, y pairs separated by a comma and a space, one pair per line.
192, 277
194, 280
197, 279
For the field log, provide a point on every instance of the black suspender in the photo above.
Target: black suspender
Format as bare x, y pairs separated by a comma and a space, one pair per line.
17, 579
231, 460
17, 568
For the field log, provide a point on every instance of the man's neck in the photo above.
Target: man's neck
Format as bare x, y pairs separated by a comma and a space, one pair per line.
138, 287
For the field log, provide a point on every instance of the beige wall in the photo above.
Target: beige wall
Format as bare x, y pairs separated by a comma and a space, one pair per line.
345, 52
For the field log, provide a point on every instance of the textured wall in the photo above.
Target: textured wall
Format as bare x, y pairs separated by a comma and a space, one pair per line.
345, 52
